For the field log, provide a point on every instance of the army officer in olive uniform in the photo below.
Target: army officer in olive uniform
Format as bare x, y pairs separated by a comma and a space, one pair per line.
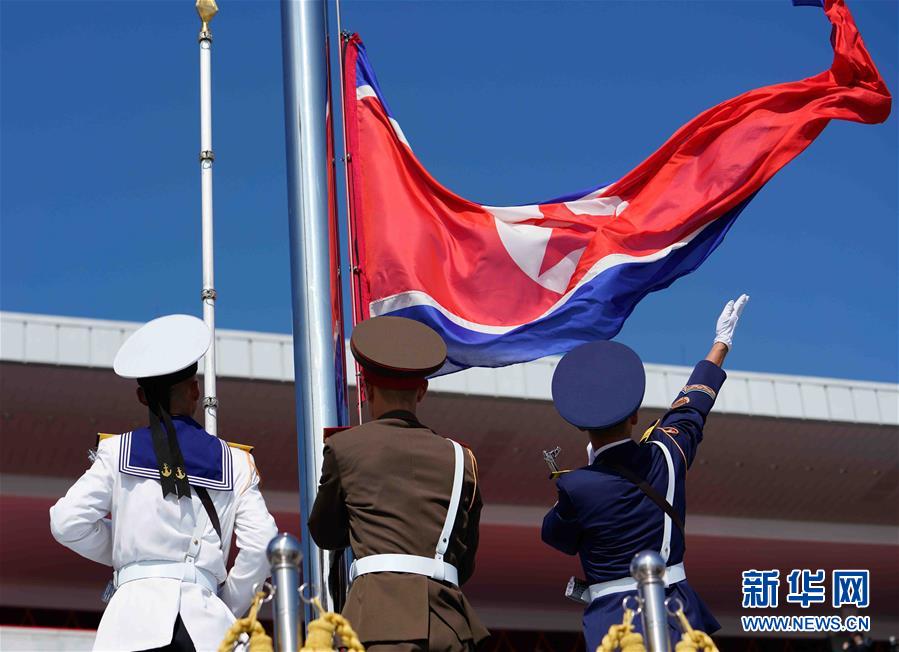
405, 498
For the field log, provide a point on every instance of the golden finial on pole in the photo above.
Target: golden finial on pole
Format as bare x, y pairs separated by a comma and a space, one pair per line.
207, 10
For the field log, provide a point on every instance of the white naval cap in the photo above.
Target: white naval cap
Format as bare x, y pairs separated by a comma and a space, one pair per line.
163, 346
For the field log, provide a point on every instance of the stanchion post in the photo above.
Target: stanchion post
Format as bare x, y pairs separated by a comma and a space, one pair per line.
648, 568
285, 555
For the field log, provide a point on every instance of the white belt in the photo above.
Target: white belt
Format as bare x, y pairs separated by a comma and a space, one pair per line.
433, 568
185, 572
673, 575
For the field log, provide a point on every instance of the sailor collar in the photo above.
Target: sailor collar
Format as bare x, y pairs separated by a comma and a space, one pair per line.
207, 459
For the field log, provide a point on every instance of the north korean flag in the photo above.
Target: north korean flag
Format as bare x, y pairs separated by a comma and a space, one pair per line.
507, 284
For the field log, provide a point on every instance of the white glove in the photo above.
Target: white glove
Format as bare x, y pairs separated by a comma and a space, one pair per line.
727, 322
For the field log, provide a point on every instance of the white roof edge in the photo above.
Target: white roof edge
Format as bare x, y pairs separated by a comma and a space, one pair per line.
788, 378
88, 342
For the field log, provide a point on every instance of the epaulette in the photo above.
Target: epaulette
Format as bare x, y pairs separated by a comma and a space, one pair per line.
649, 430
243, 447
105, 435
671, 431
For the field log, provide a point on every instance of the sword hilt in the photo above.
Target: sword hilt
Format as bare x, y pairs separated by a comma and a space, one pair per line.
550, 458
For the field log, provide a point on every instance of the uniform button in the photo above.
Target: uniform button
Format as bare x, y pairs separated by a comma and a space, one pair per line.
196, 542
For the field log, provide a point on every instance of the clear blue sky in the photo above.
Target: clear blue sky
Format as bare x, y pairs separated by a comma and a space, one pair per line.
504, 102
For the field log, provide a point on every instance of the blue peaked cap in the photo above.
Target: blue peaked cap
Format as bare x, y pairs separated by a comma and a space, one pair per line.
598, 385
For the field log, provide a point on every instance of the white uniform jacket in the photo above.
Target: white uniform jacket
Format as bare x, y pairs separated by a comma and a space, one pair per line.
117, 519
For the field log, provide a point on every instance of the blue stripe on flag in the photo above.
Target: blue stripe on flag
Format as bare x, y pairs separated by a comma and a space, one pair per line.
597, 310
365, 76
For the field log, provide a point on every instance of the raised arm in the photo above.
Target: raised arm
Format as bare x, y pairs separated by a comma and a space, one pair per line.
717, 354
681, 427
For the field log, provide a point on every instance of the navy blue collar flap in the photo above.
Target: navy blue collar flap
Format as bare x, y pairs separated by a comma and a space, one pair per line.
207, 458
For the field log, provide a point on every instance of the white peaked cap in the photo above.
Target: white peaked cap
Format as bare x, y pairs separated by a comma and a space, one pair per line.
163, 346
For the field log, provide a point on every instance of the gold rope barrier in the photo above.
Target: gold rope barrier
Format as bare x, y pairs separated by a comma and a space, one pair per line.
320, 637
623, 636
259, 640
321, 632
692, 640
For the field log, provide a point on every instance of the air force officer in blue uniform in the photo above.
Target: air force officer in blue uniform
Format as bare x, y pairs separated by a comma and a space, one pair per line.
632, 496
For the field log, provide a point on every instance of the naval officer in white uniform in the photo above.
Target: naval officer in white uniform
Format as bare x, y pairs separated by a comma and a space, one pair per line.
168, 547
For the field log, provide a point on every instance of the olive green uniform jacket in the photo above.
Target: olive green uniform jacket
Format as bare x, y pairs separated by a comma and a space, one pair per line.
385, 488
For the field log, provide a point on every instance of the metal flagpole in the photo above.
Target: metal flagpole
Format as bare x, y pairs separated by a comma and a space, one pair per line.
207, 10
303, 25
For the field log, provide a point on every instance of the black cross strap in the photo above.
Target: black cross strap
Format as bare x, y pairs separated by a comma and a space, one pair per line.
650, 493
206, 499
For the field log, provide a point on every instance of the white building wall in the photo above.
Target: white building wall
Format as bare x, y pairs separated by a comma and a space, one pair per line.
85, 342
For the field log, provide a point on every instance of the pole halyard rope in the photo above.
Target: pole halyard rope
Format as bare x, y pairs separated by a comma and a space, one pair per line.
351, 236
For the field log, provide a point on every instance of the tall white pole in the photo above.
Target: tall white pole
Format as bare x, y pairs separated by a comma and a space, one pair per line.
207, 10
303, 43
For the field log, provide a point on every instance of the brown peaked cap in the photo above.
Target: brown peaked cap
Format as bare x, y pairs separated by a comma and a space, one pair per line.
397, 346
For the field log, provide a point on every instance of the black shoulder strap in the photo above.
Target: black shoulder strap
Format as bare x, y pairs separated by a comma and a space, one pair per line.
206, 499
650, 493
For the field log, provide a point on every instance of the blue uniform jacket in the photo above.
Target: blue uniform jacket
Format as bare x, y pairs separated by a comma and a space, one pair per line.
606, 520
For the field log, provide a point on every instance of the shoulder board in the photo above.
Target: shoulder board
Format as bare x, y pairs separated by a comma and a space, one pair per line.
649, 430
243, 447
105, 435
